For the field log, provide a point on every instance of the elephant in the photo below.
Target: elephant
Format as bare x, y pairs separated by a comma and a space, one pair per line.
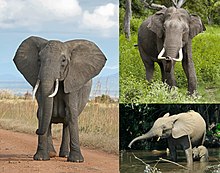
61, 74
201, 153
186, 129
166, 38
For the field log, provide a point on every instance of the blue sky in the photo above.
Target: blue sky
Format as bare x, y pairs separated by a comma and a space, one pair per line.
59, 19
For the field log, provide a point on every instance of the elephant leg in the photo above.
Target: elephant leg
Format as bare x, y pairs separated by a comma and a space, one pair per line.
51, 149
64, 148
189, 158
42, 150
187, 147
172, 149
148, 64
189, 69
72, 105
162, 71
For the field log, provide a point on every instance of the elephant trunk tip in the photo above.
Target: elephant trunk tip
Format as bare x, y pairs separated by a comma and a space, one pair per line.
40, 132
131, 144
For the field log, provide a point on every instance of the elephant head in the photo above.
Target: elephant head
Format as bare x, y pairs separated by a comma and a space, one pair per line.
45, 64
174, 27
176, 126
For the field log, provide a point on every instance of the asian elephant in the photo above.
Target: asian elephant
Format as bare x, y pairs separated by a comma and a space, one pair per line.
166, 38
60, 73
185, 129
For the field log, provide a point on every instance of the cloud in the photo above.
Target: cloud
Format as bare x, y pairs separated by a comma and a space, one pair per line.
103, 17
21, 13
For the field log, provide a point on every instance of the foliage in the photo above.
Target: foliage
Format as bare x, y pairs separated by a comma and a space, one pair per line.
208, 10
134, 88
137, 119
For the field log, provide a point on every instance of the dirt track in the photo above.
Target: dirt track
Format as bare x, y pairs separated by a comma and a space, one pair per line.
17, 150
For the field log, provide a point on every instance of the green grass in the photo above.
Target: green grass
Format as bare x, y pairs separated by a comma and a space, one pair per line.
135, 89
98, 123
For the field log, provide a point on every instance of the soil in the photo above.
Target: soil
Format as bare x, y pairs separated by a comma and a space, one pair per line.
17, 150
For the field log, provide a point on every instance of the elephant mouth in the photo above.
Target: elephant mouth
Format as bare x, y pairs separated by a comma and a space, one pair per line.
167, 58
38, 84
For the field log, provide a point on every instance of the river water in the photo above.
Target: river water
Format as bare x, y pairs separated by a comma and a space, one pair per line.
129, 164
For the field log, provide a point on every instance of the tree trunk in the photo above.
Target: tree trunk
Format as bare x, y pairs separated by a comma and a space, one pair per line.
127, 18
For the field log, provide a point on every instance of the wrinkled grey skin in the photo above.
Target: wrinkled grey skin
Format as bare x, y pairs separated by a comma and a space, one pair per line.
172, 29
201, 153
74, 63
185, 129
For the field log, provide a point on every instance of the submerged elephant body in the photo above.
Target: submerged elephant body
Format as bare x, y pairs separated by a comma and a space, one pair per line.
185, 129
60, 73
165, 38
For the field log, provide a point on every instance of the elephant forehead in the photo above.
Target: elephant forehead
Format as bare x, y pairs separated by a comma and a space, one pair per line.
55, 46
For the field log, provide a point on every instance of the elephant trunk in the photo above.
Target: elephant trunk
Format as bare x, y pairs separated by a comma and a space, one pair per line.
47, 106
147, 135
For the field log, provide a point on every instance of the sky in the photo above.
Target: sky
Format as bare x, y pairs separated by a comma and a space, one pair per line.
63, 20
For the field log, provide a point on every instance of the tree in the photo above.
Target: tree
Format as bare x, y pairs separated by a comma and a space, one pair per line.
127, 18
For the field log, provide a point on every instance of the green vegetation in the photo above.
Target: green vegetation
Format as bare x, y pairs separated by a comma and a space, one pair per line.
135, 89
98, 123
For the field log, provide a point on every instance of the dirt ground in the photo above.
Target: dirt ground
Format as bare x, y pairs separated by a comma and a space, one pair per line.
17, 150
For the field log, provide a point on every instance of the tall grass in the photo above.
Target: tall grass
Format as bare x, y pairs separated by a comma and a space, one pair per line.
98, 123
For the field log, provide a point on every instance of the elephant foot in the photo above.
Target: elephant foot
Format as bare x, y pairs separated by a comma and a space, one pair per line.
52, 154
64, 154
75, 157
41, 155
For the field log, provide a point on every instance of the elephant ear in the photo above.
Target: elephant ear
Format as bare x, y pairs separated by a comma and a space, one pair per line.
195, 26
156, 23
183, 125
166, 115
86, 61
26, 58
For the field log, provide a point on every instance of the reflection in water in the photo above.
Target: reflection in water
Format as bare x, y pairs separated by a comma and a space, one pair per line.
128, 163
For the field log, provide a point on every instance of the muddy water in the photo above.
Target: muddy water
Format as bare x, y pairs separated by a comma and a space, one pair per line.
129, 164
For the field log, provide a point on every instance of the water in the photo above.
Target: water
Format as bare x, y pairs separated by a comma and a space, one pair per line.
128, 163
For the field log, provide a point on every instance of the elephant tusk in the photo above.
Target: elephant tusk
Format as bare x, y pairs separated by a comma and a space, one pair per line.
160, 56
56, 89
180, 56
158, 138
35, 88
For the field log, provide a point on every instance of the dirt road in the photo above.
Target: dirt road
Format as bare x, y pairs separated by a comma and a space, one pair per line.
17, 150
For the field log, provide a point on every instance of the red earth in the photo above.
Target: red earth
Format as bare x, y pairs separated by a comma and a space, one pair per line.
17, 150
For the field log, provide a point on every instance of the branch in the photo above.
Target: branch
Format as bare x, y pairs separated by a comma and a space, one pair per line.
153, 5
173, 163
180, 3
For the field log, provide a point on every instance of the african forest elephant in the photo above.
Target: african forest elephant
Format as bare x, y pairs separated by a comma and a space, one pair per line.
201, 153
166, 37
185, 129
60, 73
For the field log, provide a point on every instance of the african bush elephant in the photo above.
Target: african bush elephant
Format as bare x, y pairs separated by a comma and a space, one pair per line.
166, 37
185, 129
60, 73
201, 153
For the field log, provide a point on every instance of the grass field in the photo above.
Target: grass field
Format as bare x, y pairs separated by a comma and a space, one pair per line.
206, 57
98, 123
